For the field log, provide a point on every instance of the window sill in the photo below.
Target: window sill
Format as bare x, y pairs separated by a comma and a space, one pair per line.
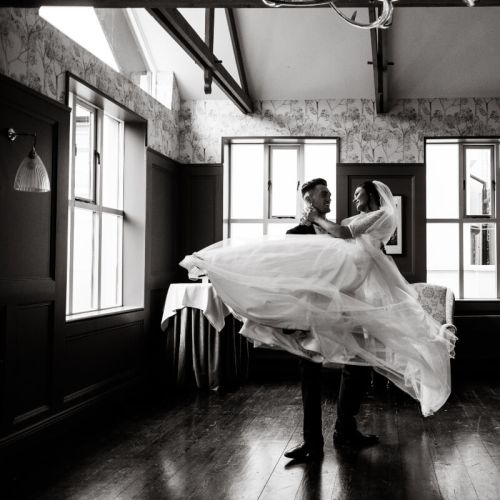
104, 312
477, 307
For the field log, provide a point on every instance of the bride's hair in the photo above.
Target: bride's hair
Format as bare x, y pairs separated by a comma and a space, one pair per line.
372, 191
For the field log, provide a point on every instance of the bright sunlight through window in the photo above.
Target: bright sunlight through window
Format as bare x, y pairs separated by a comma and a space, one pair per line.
82, 26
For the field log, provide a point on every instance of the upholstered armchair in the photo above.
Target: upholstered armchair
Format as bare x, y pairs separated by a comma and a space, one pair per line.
439, 302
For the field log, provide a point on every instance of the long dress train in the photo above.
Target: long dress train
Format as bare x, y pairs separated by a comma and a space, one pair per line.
345, 299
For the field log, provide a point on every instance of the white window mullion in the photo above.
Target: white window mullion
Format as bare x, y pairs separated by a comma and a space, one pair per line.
462, 210
267, 186
97, 256
119, 264
98, 158
300, 180
71, 208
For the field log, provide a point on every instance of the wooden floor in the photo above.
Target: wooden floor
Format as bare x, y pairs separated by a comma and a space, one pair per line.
212, 446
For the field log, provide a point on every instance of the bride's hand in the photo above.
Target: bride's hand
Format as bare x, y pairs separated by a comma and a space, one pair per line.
311, 214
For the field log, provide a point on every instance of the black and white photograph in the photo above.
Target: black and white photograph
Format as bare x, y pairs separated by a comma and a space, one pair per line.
249, 250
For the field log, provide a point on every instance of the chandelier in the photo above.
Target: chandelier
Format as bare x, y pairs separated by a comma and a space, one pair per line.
383, 20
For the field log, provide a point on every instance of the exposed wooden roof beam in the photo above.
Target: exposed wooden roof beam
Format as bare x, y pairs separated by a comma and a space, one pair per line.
209, 41
231, 22
378, 39
229, 3
173, 22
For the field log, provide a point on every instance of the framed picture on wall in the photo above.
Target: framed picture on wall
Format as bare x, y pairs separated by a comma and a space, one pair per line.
395, 245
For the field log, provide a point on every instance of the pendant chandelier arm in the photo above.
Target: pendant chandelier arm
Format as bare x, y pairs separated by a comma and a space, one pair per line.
383, 21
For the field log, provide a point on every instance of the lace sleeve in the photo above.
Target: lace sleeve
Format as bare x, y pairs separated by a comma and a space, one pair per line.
364, 223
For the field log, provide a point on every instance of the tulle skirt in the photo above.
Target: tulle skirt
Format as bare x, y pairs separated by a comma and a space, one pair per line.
344, 300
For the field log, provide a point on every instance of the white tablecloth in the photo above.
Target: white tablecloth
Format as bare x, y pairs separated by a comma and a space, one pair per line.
198, 296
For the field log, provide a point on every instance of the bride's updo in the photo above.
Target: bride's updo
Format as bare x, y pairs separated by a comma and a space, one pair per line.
371, 191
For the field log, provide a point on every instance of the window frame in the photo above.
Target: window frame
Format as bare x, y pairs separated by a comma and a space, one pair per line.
463, 218
94, 206
270, 143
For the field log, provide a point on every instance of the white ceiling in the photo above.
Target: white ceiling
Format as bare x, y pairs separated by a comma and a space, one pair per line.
445, 52
313, 54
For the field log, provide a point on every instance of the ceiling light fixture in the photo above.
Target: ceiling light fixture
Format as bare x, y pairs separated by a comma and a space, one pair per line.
383, 21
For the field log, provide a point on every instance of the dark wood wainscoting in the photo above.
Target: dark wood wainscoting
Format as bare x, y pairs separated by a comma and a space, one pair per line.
164, 220
50, 369
32, 259
202, 199
406, 180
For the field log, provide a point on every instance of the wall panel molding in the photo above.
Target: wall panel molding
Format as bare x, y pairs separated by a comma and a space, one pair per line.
407, 180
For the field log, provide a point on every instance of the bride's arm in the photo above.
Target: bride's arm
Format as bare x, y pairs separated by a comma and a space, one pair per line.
332, 228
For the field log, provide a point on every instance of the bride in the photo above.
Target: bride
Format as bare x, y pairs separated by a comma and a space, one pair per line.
335, 298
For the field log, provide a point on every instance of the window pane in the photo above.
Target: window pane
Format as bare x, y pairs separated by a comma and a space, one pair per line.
284, 182
247, 178
478, 180
479, 261
68, 277
225, 191
111, 164
84, 261
443, 255
84, 152
250, 230
111, 260
320, 160
280, 229
442, 181
83, 26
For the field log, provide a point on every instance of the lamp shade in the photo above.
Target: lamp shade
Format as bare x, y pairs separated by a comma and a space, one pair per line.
32, 175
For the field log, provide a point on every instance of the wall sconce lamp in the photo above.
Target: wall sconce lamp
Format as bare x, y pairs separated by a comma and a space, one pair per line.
31, 175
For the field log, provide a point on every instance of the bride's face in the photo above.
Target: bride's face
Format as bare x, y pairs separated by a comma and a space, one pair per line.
361, 200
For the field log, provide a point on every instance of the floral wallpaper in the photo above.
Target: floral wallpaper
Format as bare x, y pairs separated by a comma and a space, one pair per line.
366, 137
36, 54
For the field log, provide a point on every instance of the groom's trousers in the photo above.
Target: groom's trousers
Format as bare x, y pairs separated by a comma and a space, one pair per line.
354, 383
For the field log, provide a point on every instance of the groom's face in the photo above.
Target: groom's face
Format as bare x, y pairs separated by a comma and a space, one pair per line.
321, 198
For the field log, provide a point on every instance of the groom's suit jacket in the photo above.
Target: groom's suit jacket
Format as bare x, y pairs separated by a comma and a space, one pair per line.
301, 229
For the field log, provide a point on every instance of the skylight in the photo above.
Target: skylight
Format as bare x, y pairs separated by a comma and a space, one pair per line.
82, 26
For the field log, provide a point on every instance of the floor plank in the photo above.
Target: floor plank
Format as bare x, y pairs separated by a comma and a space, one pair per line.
205, 446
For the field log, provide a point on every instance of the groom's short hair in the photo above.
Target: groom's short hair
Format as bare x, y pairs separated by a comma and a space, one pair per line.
308, 186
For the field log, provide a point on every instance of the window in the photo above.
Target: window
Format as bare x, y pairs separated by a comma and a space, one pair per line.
262, 180
81, 25
461, 216
95, 243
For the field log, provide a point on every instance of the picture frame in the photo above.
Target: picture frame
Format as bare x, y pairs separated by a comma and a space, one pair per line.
395, 245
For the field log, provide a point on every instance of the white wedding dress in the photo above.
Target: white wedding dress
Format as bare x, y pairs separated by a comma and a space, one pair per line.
345, 299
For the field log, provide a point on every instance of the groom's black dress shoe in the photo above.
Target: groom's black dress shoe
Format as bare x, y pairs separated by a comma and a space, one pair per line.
355, 439
305, 451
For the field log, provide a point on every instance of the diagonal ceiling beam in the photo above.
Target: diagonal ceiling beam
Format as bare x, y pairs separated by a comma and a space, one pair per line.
182, 32
209, 41
230, 3
231, 22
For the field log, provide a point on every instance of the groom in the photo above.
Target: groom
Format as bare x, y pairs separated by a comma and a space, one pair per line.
355, 379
